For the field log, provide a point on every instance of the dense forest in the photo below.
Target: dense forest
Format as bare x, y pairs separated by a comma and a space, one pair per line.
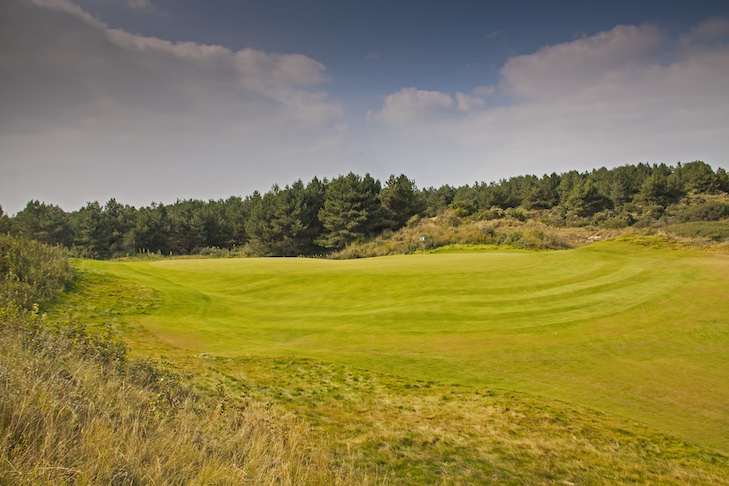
322, 216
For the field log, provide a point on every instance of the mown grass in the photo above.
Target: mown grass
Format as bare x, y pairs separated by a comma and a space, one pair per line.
411, 387
407, 431
635, 330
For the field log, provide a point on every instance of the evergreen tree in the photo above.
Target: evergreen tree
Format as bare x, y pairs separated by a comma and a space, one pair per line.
120, 219
351, 210
400, 201
45, 223
541, 193
314, 198
586, 199
187, 226
284, 222
722, 180
92, 234
235, 213
567, 184
622, 187
697, 177
438, 199
4, 222
151, 231
661, 189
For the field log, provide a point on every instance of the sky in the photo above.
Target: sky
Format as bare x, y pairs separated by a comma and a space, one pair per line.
158, 100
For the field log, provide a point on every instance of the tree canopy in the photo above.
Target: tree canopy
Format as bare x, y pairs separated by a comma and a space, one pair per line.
322, 216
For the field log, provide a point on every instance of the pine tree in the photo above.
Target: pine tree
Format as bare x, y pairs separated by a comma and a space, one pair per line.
400, 201
351, 210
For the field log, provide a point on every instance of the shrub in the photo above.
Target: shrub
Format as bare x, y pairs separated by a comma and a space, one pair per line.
518, 214
620, 220
707, 211
462, 208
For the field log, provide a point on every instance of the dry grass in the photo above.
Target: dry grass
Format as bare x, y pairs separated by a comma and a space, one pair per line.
449, 229
71, 413
532, 233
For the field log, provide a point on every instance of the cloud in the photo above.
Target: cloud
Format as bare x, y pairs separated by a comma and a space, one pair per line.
496, 34
411, 104
559, 70
627, 95
80, 97
465, 102
710, 29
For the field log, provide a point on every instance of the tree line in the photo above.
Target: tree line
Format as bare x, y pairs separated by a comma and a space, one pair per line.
323, 216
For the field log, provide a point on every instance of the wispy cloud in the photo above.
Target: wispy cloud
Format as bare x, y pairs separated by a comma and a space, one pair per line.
496, 34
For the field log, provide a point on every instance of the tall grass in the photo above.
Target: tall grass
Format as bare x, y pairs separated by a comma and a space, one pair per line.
30, 271
74, 411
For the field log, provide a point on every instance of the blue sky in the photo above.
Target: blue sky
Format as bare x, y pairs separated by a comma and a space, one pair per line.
154, 100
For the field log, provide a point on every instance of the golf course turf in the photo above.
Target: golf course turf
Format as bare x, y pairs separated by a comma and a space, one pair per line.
635, 328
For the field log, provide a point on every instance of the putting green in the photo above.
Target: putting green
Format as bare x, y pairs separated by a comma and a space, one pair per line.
632, 330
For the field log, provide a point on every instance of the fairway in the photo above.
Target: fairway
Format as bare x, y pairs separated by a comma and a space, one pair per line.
631, 330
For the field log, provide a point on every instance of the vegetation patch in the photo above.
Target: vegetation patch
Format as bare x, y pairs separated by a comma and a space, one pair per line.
701, 231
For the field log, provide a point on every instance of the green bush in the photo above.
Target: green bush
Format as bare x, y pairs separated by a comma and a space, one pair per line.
617, 221
708, 211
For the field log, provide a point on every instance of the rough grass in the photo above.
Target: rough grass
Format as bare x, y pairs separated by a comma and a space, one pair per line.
448, 230
701, 232
432, 433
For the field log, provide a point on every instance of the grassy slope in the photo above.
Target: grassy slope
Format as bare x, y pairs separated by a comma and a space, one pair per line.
636, 331
74, 410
